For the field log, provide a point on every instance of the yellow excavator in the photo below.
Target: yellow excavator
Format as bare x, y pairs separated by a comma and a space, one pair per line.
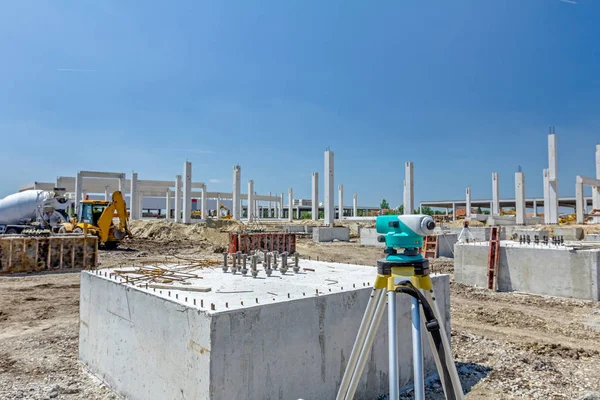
224, 213
96, 216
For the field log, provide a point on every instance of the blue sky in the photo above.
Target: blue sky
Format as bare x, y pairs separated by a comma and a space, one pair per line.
461, 88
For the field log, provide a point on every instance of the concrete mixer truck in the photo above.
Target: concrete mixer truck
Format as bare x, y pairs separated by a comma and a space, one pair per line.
34, 209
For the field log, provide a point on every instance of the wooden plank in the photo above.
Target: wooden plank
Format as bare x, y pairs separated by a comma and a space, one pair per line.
62, 248
10, 251
49, 259
171, 287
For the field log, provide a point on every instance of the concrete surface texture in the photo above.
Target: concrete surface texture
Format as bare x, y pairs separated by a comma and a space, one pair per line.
325, 234
446, 242
479, 233
290, 339
569, 233
513, 232
592, 237
538, 269
368, 237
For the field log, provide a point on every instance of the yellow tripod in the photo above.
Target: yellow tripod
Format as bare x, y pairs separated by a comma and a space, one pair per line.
410, 278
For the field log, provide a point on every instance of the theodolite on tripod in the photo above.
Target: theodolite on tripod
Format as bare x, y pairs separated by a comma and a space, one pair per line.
408, 273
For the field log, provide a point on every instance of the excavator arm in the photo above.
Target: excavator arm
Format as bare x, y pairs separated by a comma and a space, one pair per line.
105, 220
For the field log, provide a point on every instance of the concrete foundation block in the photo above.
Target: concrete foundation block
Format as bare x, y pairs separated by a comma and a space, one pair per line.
569, 233
150, 344
592, 237
514, 232
298, 228
480, 234
368, 237
323, 234
446, 242
554, 271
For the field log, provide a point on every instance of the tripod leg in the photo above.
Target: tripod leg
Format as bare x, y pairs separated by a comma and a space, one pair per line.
366, 348
447, 351
367, 320
393, 347
418, 378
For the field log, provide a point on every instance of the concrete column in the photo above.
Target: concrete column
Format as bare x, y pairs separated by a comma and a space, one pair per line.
168, 205
580, 202
553, 179
315, 196
341, 202
78, 190
218, 207
453, 211
134, 196
495, 194
187, 192
546, 195
236, 209
281, 206
520, 197
106, 193
178, 198
468, 193
534, 207
290, 204
122, 184
355, 205
409, 186
596, 191
298, 212
328, 183
140, 207
203, 203
269, 215
251, 207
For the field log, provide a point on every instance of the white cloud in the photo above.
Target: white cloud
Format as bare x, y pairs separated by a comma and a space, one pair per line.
213, 180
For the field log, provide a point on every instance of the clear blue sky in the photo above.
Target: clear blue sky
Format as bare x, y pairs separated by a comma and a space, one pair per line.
463, 88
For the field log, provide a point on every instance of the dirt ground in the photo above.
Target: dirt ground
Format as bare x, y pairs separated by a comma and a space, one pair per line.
507, 345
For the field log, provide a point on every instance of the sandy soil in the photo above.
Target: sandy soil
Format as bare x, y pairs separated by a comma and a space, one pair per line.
507, 345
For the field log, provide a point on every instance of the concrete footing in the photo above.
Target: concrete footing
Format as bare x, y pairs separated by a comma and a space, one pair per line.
368, 237
446, 242
569, 233
322, 234
288, 336
546, 270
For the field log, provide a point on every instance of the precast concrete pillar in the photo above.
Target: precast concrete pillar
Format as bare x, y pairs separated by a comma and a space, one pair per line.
341, 202
78, 190
290, 204
269, 215
580, 202
187, 192
546, 196
236, 209
520, 197
409, 186
177, 197
168, 205
134, 196
535, 208
355, 205
328, 183
106, 193
453, 211
281, 206
218, 206
495, 210
315, 196
596, 190
122, 183
251, 206
468, 205
553, 180
203, 203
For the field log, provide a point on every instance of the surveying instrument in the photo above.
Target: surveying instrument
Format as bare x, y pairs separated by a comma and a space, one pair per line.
408, 273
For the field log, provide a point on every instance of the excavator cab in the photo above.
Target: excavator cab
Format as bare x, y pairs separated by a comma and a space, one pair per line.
91, 211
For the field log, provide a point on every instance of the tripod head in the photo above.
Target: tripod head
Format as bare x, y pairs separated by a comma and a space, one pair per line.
403, 232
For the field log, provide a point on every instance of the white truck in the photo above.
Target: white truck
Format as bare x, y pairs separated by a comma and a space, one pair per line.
34, 209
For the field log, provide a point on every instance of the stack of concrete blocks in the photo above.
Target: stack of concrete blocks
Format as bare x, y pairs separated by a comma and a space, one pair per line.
538, 269
569, 233
168, 345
